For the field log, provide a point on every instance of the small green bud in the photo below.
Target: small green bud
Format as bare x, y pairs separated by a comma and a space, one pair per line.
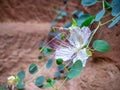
59, 61
49, 80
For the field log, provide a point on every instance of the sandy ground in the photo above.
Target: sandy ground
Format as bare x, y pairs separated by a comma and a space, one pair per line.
19, 43
23, 24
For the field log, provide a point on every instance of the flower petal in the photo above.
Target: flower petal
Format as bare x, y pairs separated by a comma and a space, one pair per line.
79, 37
86, 34
64, 53
82, 55
75, 38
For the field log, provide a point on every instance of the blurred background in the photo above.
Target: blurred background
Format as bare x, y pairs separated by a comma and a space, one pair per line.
24, 23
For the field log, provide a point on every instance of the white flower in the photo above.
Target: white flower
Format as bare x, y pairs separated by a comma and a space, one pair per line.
75, 51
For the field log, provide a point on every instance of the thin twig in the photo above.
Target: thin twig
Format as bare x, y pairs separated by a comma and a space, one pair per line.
62, 84
93, 35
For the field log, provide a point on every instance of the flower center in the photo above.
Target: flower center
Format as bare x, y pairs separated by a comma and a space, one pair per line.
77, 49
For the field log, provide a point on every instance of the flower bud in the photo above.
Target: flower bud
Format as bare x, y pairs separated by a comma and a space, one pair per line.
11, 80
49, 80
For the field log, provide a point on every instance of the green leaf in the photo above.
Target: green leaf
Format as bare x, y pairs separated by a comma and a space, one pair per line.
4, 87
21, 76
39, 81
57, 74
115, 4
74, 23
47, 50
60, 67
114, 22
58, 11
33, 68
59, 17
101, 46
63, 13
88, 2
75, 70
42, 44
82, 18
77, 13
68, 24
74, 12
53, 22
88, 21
49, 63
20, 85
107, 5
50, 84
100, 15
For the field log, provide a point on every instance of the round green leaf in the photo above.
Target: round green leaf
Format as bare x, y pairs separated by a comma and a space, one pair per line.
115, 4
63, 13
74, 12
39, 81
100, 15
33, 68
58, 11
20, 85
68, 24
21, 76
57, 74
53, 22
60, 67
75, 70
88, 2
60, 17
77, 13
49, 63
101, 46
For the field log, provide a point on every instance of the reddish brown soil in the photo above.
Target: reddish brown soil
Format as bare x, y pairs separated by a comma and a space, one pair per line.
25, 23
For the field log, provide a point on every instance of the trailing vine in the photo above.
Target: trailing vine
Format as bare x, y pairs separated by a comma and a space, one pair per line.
68, 46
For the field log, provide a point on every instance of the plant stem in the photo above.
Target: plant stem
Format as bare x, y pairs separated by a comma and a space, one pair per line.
33, 78
62, 84
103, 4
65, 68
99, 25
50, 41
109, 20
52, 86
93, 34
106, 15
